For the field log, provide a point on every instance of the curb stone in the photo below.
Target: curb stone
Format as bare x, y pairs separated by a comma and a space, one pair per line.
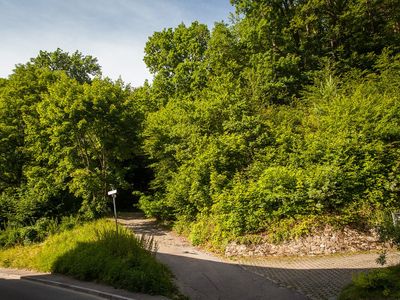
9, 276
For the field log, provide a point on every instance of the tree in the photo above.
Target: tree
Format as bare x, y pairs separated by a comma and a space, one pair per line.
76, 65
19, 97
84, 135
286, 41
36, 170
175, 57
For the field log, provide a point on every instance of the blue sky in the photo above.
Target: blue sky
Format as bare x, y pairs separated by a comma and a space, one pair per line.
114, 31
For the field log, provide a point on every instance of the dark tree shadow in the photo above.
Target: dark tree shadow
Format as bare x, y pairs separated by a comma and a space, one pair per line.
205, 279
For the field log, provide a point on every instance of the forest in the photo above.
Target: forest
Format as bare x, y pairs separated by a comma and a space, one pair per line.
285, 118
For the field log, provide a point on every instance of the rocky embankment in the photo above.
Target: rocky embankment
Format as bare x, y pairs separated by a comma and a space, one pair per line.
322, 242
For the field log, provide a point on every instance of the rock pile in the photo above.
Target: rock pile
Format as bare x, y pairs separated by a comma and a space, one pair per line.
322, 242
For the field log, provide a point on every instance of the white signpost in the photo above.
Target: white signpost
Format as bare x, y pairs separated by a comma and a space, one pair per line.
113, 194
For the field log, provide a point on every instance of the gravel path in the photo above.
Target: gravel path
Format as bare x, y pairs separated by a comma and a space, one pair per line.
201, 275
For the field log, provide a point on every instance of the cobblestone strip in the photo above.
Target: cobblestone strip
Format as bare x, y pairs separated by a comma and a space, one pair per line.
316, 277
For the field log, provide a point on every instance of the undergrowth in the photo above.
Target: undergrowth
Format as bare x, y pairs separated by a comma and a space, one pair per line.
381, 283
377, 284
213, 233
14, 234
96, 252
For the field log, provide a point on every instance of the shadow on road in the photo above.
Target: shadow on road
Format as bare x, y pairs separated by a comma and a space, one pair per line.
205, 279
203, 276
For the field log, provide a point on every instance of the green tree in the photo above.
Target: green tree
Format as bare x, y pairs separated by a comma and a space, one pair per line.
76, 65
20, 95
84, 135
174, 57
285, 41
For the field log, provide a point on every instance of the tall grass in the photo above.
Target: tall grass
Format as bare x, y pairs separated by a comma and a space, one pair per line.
96, 252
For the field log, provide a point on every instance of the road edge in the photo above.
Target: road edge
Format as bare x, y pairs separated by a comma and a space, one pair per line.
77, 288
59, 284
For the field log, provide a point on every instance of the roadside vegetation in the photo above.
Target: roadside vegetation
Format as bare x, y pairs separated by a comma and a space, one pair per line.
374, 285
379, 283
95, 252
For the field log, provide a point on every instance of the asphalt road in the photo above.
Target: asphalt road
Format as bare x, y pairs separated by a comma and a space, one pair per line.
16, 289
203, 276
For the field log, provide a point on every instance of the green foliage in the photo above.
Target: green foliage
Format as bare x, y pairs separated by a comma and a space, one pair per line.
86, 131
116, 259
388, 231
94, 251
288, 115
66, 136
156, 208
376, 284
175, 57
15, 234
333, 156
77, 66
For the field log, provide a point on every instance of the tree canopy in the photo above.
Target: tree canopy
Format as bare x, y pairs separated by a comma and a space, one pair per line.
65, 136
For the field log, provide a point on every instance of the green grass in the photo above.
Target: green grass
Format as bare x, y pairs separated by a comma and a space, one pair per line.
376, 284
95, 252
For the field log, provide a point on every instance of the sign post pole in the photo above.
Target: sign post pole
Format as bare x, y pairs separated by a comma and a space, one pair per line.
113, 193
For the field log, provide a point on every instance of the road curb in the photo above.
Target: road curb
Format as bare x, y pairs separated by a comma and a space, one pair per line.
9, 276
72, 287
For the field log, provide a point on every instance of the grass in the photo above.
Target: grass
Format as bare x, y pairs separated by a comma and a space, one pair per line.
376, 284
95, 252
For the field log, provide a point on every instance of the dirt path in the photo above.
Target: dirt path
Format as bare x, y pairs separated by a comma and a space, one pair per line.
200, 275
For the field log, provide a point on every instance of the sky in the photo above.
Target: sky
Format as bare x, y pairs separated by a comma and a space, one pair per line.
113, 31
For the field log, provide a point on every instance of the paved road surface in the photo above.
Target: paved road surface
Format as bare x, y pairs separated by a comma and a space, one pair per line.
320, 277
203, 276
200, 279
17, 289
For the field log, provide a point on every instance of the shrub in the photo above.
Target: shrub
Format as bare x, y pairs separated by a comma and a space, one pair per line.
377, 284
94, 251
15, 234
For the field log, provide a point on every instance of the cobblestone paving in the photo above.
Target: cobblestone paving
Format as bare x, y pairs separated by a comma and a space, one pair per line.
316, 277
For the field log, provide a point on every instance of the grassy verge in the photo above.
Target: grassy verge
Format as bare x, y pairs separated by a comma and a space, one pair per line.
95, 252
376, 284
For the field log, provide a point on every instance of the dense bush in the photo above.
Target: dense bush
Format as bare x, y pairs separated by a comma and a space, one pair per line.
334, 154
296, 122
15, 234
377, 284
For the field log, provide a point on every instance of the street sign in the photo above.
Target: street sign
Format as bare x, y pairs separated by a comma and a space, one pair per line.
112, 192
